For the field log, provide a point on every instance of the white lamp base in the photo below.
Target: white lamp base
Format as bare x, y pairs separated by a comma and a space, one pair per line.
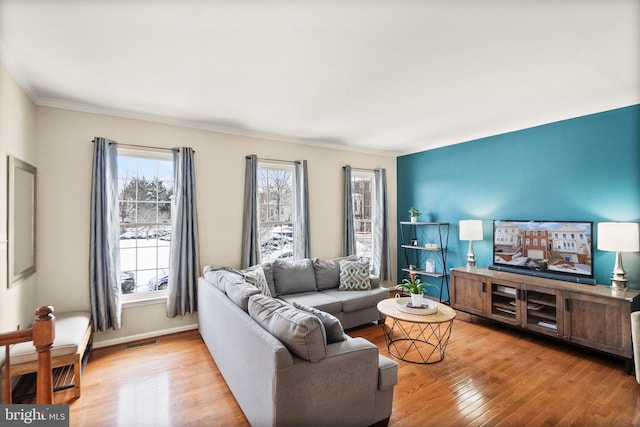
618, 281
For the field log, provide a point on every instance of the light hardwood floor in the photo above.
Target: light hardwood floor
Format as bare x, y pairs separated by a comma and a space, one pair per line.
491, 376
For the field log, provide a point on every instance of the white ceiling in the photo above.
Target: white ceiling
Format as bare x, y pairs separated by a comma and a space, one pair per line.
390, 76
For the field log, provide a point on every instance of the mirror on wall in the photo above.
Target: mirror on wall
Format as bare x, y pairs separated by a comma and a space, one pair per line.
21, 255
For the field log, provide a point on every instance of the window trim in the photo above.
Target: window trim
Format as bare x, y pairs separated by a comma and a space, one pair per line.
370, 175
290, 167
136, 299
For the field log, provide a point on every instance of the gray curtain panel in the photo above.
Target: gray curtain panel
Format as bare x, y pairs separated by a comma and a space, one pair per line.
104, 256
250, 232
301, 240
381, 253
184, 258
349, 243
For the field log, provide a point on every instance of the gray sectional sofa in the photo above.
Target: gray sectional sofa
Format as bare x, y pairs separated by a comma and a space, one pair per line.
288, 365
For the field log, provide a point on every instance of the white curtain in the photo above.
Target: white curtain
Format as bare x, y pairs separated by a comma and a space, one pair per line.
104, 256
184, 262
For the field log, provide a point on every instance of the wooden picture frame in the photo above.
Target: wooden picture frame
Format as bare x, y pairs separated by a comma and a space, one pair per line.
21, 215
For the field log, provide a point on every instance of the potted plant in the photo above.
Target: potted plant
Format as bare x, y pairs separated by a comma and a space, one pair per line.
415, 287
414, 214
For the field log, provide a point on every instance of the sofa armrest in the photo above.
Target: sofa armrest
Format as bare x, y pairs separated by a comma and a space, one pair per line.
339, 389
387, 373
375, 281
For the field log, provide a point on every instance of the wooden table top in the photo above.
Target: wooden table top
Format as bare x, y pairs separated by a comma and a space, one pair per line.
389, 308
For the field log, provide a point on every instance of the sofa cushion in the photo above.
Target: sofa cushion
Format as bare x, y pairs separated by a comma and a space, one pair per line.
69, 332
301, 332
332, 326
257, 278
293, 276
327, 273
319, 300
239, 291
354, 276
353, 301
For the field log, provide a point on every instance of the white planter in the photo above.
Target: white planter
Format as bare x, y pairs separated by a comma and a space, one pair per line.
416, 300
414, 218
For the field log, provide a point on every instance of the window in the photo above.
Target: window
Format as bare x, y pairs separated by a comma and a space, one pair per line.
363, 196
276, 206
145, 189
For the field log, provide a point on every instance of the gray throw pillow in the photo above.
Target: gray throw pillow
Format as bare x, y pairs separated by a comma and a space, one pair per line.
292, 277
327, 274
332, 325
301, 332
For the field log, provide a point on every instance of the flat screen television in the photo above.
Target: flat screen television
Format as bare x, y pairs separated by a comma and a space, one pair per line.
560, 250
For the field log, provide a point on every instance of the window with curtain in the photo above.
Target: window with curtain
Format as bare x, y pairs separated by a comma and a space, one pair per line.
276, 210
363, 201
145, 191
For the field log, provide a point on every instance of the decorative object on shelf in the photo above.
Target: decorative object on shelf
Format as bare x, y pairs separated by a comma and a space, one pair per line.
471, 229
414, 214
414, 242
416, 288
429, 266
432, 246
618, 237
405, 305
412, 267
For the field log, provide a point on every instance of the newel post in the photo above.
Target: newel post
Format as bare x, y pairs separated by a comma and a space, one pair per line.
43, 336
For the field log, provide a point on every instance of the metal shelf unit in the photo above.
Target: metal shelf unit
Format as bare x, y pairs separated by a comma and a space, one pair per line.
423, 243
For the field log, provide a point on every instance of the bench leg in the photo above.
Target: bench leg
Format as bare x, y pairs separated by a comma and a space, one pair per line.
77, 377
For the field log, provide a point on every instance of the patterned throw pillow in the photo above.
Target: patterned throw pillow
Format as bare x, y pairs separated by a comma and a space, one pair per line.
354, 276
257, 278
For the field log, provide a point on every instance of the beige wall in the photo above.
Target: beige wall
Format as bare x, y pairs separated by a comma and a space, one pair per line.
18, 139
64, 159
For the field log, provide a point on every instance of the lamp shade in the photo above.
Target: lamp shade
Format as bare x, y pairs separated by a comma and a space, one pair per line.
618, 236
471, 229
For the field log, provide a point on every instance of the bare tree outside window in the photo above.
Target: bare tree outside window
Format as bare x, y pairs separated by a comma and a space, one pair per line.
276, 204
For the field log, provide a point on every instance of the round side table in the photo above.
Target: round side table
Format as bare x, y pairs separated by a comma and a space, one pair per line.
416, 338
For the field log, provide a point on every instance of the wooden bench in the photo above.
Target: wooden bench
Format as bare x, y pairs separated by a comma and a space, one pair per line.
73, 335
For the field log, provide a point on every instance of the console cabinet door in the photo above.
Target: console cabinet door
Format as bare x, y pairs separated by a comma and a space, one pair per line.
599, 323
468, 293
504, 302
542, 310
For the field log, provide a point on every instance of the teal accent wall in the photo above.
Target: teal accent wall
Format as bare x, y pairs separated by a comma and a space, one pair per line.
586, 169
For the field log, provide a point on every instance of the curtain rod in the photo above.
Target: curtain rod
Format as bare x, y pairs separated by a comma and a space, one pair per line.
276, 160
151, 147
360, 169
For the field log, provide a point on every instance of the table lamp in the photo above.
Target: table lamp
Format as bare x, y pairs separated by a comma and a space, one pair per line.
618, 237
471, 229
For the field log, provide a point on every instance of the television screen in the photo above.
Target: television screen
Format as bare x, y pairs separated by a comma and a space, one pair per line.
556, 249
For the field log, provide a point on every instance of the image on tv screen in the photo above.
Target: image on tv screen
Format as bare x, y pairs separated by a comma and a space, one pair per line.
559, 247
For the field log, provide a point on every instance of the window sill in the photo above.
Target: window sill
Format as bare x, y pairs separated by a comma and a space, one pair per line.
149, 300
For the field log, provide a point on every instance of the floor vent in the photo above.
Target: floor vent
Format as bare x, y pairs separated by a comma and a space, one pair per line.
140, 344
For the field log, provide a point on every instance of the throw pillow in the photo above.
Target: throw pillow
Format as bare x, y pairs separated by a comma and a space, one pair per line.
301, 332
258, 279
354, 276
292, 277
332, 325
328, 272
